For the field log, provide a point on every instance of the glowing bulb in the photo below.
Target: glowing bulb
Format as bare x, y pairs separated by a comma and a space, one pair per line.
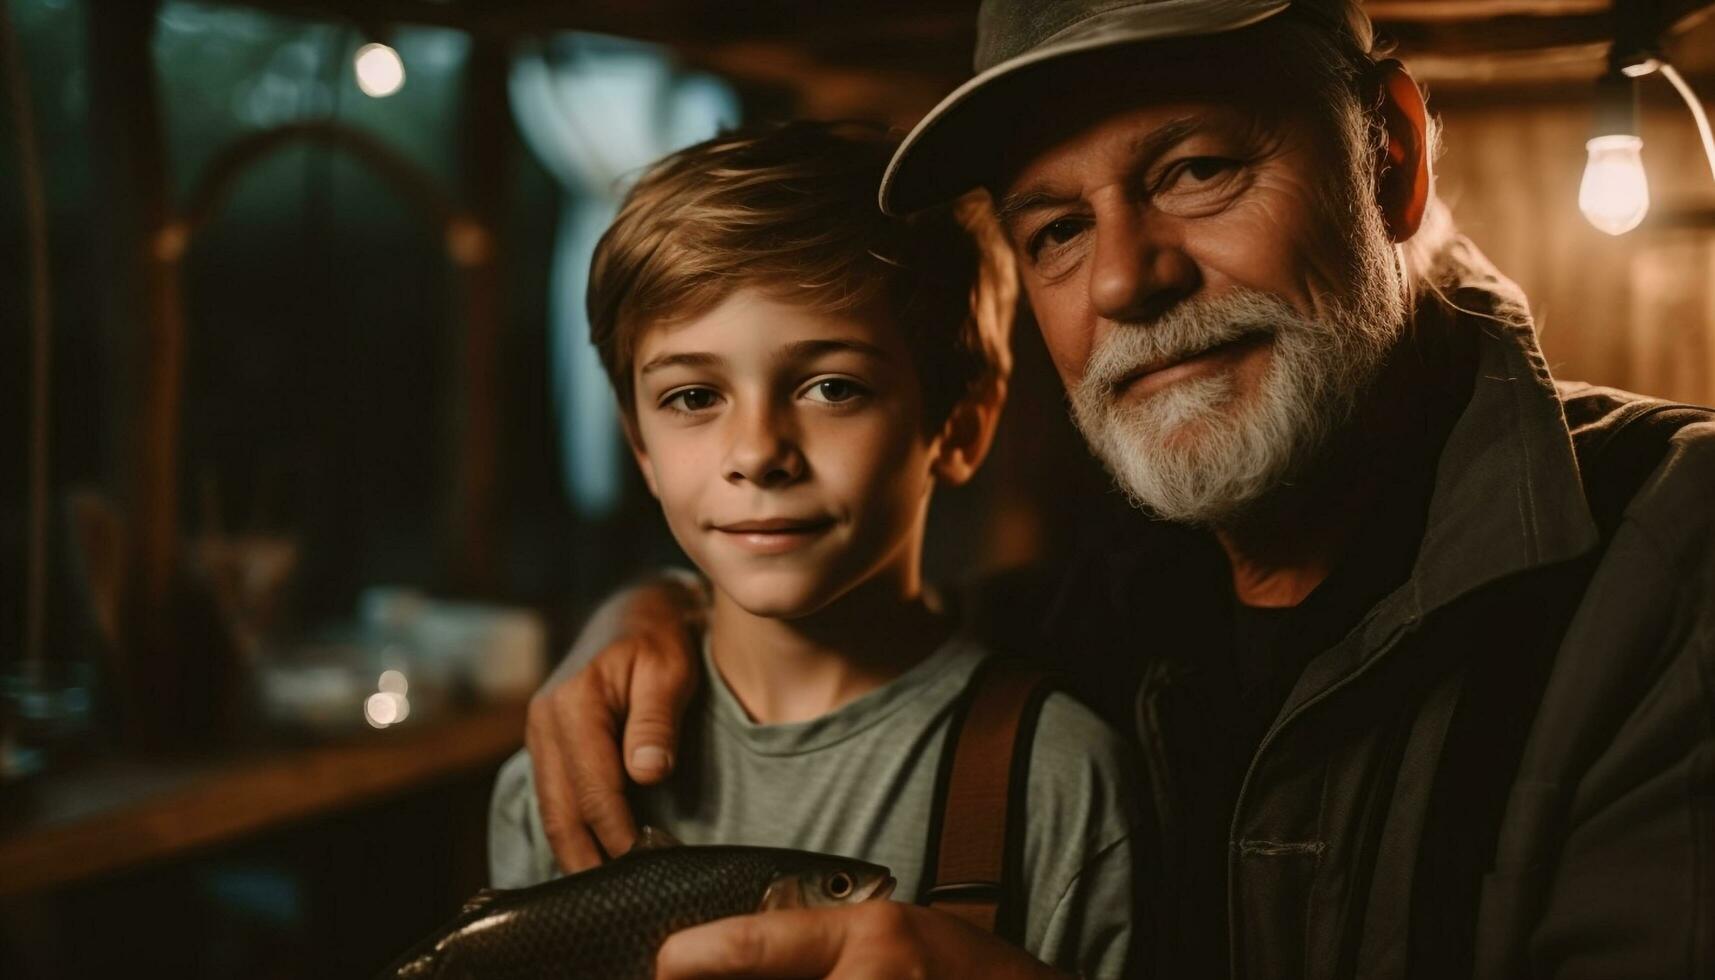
380, 73
393, 682
380, 709
1615, 193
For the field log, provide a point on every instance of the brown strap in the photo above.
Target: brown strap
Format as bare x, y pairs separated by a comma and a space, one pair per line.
971, 854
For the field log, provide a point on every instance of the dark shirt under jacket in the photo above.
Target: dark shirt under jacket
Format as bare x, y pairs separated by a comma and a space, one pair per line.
1223, 670
1272, 645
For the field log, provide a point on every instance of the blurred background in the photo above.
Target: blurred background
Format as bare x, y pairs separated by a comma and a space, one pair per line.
309, 473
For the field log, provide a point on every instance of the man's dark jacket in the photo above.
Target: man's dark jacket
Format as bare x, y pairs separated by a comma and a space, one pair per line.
1506, 767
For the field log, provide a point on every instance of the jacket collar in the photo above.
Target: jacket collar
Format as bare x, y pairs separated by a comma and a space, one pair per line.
1507, 494
1507, 497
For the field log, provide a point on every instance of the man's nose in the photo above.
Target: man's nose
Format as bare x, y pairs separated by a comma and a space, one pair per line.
764, 449
1139, 269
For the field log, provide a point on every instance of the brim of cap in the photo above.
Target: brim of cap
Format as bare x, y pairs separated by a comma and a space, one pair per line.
946, 153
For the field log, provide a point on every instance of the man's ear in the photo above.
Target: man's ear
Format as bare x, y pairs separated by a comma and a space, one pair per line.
1403, 170
639, 453
969, 433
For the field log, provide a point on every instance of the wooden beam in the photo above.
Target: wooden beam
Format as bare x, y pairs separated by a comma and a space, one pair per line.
927, 43
1442, 10
1520, 30
1515, 23
1500, 35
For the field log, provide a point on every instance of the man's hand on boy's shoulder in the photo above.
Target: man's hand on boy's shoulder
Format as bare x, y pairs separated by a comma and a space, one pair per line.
642, 677
870, 940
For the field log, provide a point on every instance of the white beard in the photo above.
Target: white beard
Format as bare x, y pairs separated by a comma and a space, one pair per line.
1202, 451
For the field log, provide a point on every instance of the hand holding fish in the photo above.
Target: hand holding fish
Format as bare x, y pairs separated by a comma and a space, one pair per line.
641, 675
854, 942
609, 922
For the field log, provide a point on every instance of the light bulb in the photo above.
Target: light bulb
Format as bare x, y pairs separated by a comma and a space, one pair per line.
1615, 193
380, 73
381, 709
393, 682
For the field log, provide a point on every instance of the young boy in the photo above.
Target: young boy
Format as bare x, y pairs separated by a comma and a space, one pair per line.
797, 372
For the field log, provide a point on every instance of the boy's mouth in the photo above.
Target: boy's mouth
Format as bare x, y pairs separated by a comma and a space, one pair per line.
776, 534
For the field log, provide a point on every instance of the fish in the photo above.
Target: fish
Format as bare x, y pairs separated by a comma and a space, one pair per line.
610, 921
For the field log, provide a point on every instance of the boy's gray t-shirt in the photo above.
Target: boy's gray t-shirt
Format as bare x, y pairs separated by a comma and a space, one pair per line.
860, 782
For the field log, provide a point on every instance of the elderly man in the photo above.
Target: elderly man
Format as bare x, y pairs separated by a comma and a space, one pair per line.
1419, 644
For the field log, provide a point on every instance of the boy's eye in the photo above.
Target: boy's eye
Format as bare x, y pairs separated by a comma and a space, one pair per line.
835, 391
691, 399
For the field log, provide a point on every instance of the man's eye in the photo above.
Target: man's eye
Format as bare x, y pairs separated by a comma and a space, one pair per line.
1057, 232
1200, 169
691, 400
835, 391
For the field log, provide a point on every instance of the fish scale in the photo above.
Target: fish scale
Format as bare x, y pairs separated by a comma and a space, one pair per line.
610, 921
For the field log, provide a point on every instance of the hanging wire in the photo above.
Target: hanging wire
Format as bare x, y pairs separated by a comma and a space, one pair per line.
1696, 106
41, 319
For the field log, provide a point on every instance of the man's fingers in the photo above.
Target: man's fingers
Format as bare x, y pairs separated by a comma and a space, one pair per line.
661, 684
588, 721
867, 941
574, 848
779, 944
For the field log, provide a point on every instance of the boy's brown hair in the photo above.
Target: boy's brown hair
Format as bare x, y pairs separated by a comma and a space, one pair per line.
791, 209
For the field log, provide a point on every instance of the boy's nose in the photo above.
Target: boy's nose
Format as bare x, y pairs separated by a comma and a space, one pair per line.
763, 452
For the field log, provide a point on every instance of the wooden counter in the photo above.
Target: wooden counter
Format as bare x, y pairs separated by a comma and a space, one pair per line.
111, 816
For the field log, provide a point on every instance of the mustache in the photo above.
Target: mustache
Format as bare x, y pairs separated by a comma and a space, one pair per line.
1183, 332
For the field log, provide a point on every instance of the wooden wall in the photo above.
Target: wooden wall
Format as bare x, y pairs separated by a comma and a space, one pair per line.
1637, 311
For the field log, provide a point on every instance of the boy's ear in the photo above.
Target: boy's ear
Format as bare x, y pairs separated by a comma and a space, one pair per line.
969, 433
639, 453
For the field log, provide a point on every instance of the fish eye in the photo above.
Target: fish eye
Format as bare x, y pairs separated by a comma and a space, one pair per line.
841, 885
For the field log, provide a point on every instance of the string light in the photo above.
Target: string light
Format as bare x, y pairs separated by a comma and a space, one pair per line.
392, 682
380, 709
388, 705
380, 72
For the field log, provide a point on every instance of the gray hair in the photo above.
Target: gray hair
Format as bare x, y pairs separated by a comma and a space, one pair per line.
1336, 61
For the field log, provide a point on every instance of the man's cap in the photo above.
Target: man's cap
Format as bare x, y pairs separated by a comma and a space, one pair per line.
944, 154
